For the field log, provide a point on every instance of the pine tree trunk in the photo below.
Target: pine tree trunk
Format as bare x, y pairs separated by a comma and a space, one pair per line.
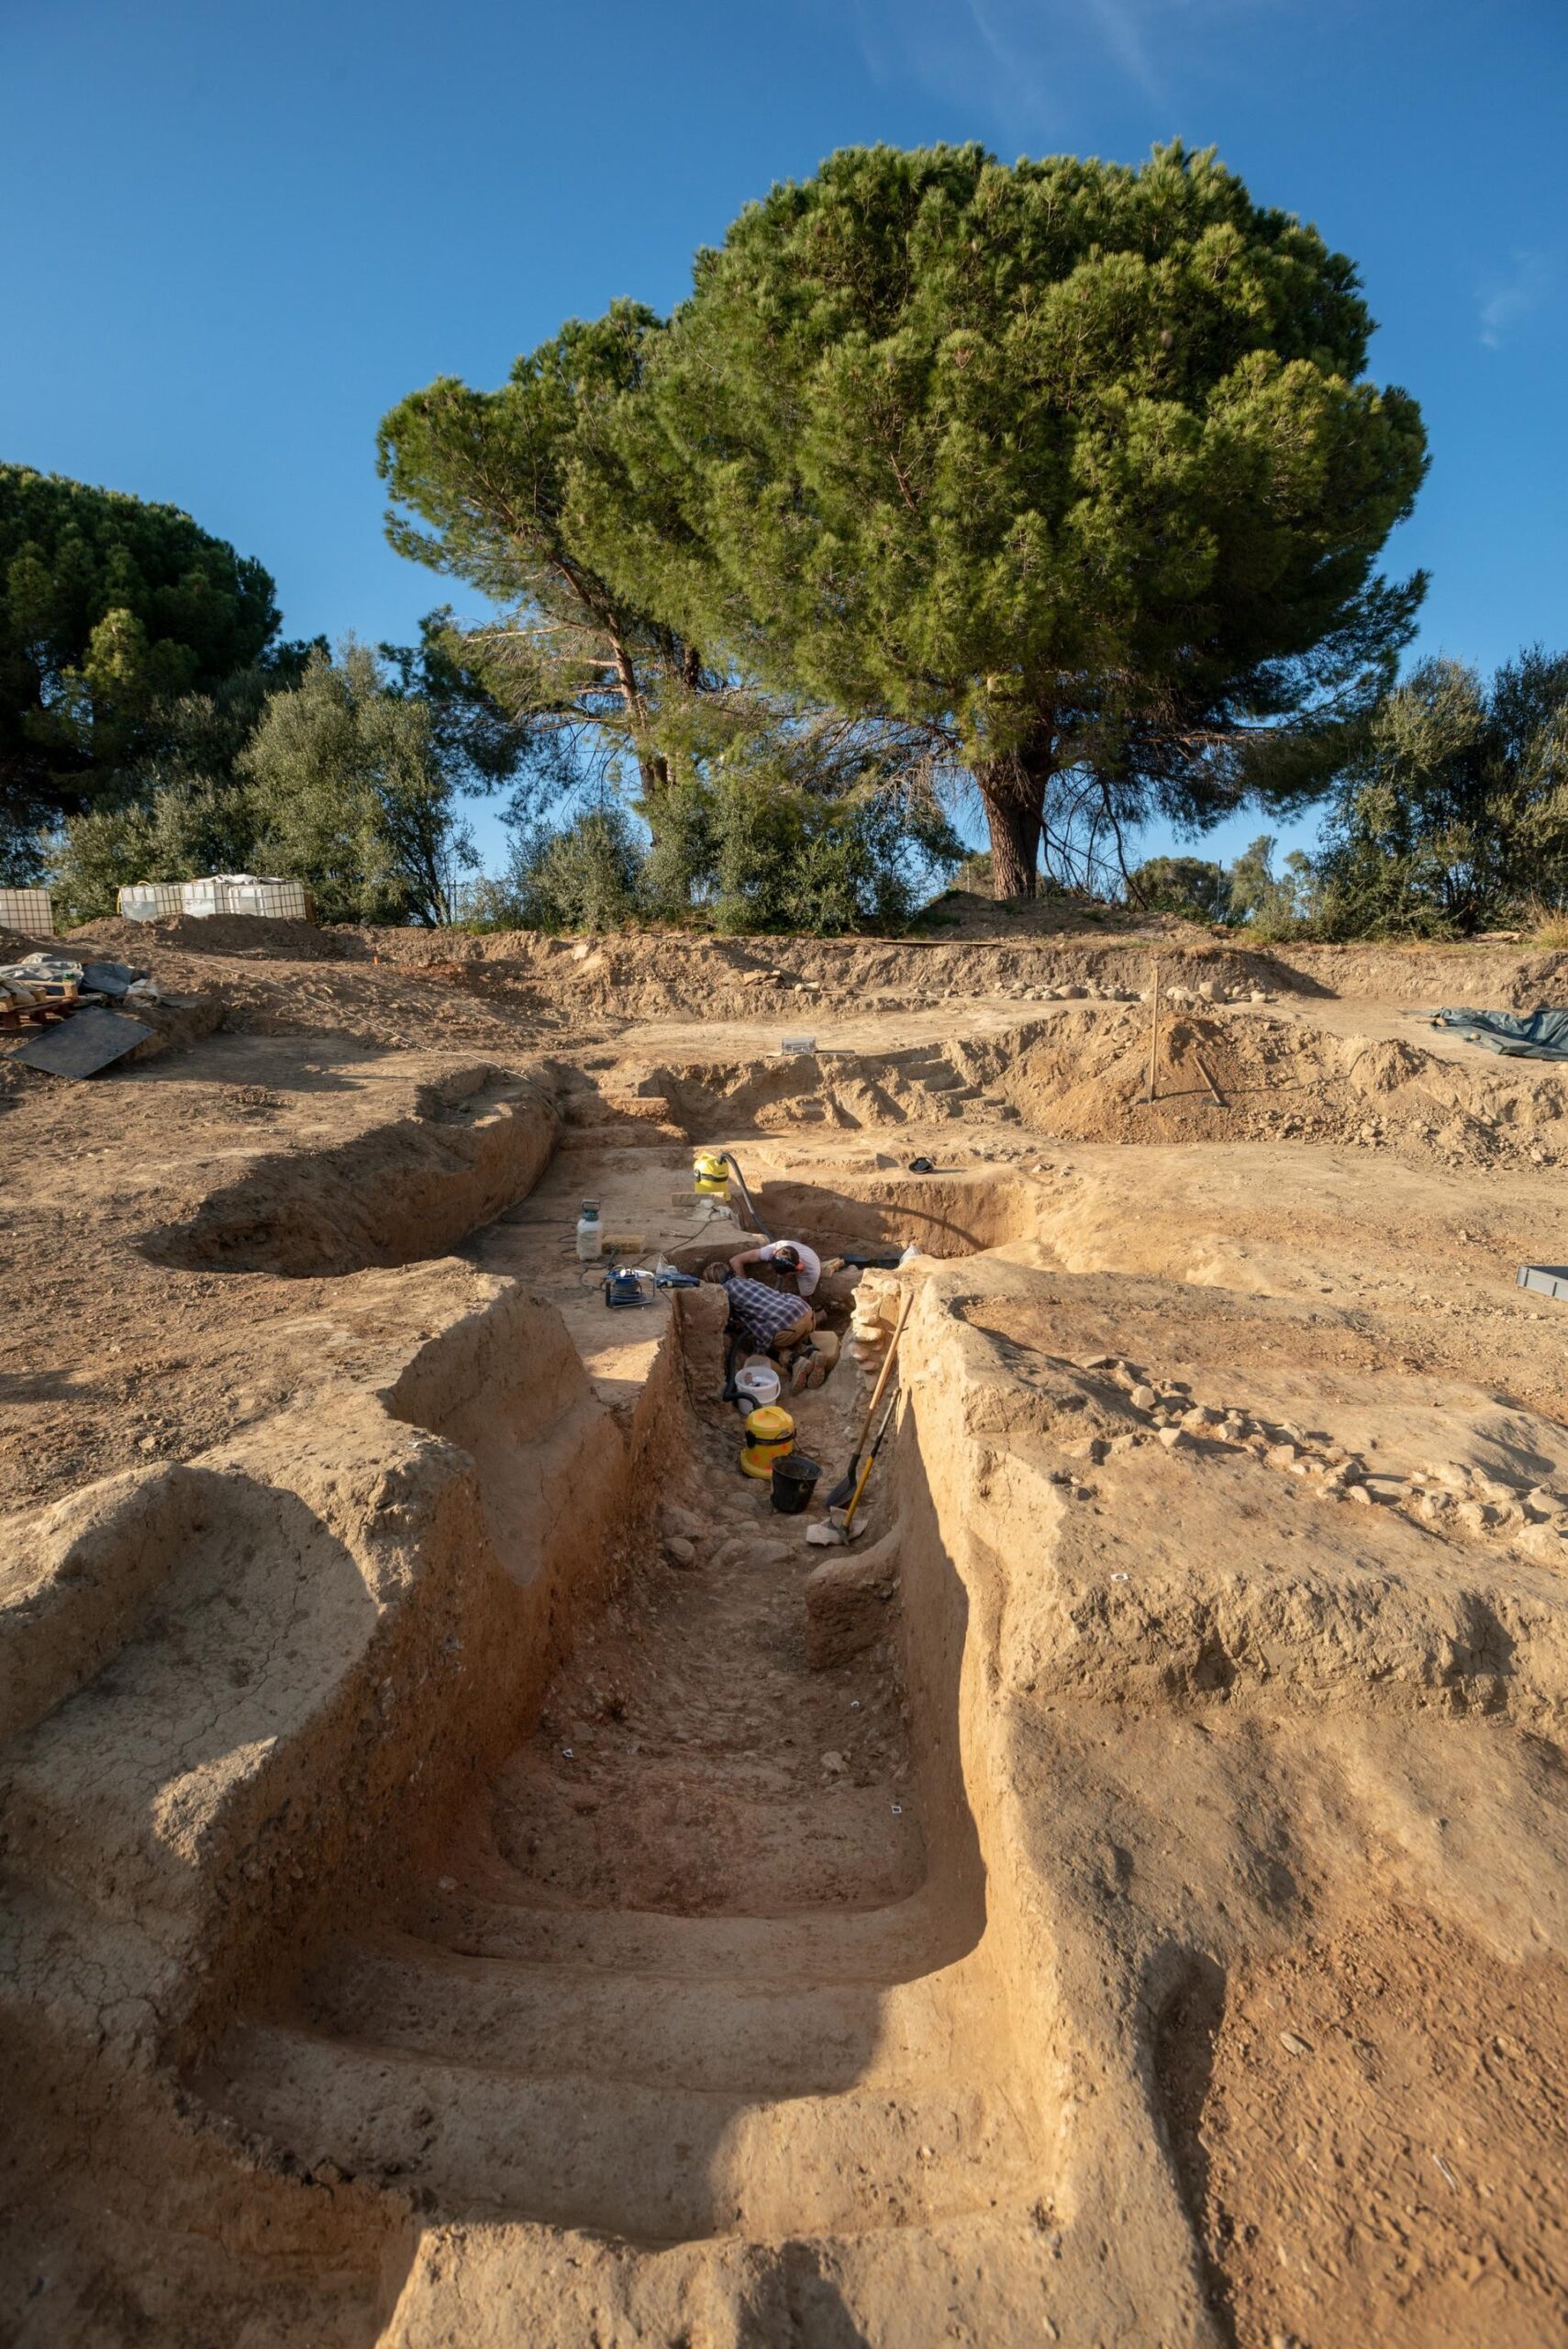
1013, 799
652, 767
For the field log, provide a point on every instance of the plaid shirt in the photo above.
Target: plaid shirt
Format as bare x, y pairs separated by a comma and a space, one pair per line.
759, 1312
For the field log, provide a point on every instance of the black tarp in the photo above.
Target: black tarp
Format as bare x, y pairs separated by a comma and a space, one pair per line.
1526, 1035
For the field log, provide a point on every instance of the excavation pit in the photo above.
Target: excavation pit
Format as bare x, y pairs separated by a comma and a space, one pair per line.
444, 1889
705, 1954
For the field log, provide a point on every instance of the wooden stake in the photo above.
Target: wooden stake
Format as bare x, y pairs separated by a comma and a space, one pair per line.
1154, 1033
1203, 1067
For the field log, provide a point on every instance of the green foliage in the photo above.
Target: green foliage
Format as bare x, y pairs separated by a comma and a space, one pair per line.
184, 829
1454, 817
480, 485
1182, 885
584, 875
1073, 459
344, 775
113, 614
739, 850
475, 744
494, 488
784, 859
1272, 906
349, 793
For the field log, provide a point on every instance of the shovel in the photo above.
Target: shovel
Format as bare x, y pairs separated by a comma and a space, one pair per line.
844, 1489
840, 1525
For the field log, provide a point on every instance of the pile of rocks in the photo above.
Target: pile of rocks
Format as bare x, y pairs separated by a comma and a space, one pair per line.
1210, 991
1450, 1497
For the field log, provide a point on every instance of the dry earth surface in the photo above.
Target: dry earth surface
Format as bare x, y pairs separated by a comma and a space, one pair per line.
474, 1874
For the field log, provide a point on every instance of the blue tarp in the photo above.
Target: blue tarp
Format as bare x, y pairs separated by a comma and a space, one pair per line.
1527, 1035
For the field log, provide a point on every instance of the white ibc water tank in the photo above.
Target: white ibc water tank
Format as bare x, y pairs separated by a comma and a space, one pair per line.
148, 900
28, 910
265, 895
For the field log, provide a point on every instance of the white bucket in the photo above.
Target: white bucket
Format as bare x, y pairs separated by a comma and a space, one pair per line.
760, 1382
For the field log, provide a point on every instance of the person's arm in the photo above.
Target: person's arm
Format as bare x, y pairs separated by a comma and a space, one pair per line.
747, 1256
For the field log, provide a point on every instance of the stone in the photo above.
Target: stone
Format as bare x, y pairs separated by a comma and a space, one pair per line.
1172, 1437
679, 1551
847, 1599
1143, 1398
682, 1522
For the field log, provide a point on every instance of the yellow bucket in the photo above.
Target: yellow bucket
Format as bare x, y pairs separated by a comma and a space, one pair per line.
769, 1433
710, 1176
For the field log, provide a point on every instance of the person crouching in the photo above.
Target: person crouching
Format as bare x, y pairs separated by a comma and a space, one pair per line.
763, 1319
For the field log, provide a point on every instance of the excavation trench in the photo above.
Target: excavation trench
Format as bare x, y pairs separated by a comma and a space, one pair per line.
706, 1950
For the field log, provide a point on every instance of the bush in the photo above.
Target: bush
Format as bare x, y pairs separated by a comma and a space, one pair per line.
1182, 885
786, 860
580, 876
1454, 817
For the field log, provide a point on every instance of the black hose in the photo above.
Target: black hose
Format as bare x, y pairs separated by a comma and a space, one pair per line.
758, 1226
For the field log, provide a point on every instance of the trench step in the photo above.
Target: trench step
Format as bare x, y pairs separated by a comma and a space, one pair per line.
743, 2037
652, 2165
889, 1943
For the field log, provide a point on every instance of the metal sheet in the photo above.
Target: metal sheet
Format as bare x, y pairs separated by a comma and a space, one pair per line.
89, 1041
1547, 1280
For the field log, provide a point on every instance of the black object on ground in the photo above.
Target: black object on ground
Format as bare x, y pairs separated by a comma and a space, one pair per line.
794, 1480
109, 978
1529, 1035
921, 1166
872, 1260
90, 1040
627, 1285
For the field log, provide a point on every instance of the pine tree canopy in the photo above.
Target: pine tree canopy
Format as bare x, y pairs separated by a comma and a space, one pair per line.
480, 483
111, 609
1076, 460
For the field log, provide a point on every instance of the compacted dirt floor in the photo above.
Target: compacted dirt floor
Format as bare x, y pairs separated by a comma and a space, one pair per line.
473, 1873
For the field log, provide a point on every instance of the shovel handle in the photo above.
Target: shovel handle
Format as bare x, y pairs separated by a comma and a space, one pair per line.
869, 1461
886, 1370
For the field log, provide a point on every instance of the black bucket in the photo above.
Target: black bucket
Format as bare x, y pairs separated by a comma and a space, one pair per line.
794, 1481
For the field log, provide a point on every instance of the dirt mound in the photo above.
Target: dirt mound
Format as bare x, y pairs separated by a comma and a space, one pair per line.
244, 936
1257, 1077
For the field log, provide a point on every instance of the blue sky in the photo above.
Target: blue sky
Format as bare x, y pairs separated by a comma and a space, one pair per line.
232, 236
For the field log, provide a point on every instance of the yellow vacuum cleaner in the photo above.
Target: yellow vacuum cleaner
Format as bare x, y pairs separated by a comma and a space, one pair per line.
711, 1171
710, 1176
769, 1433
